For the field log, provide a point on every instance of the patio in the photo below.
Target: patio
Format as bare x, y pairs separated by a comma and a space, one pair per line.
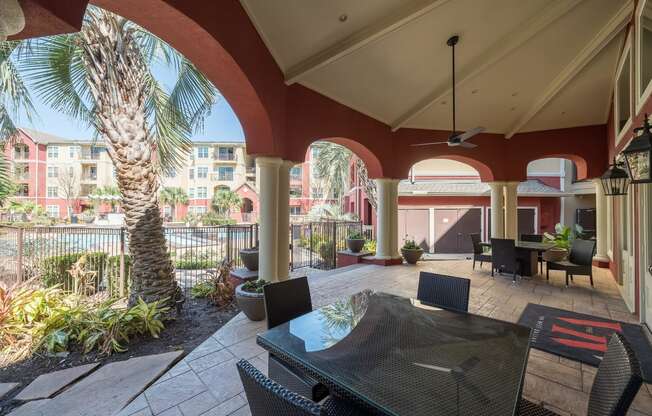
206, 381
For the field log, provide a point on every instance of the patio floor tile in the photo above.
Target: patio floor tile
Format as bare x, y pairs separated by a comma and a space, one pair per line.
171, 392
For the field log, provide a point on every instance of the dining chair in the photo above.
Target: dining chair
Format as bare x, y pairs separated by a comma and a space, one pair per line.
614, 387
535, 238
268, 398
478, 250
285, 301
503, 257
580, 261
447, 292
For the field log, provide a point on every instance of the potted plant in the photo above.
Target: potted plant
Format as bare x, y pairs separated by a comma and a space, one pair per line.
411, 252
249, 257
249, 297
562, 239
355, 241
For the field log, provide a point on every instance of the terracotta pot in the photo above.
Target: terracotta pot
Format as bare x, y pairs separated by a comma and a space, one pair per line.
355, 245
555, 254
251, 303
249, 258
411, 256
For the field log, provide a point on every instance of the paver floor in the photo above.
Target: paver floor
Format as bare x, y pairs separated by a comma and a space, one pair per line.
206, 381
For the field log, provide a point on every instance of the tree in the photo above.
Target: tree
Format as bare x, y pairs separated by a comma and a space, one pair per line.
107, 195
224, 200
103, 77
69, 188
172, 196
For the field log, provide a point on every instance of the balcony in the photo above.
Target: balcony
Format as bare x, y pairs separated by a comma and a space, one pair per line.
221, 178
224, 157
89, 177
86, 155
21, 155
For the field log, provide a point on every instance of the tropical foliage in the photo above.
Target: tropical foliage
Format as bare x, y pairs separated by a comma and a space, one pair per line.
173, 196
224, 201
564, 235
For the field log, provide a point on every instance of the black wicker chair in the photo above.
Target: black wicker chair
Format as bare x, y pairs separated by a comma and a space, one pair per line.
580, 261
614, 388
535, 238
503, 257
268, 398
444, 291
285, 301
478, 251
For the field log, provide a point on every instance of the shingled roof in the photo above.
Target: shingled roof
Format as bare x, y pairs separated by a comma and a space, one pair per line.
531, 187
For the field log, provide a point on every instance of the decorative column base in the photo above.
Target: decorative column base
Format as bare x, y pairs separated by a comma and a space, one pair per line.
382, 261
601, 262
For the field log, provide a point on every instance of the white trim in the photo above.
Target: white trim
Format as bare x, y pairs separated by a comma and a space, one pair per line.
627, 52
641, 96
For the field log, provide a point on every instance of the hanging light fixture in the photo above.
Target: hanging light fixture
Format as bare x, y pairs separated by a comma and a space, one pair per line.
12, 19
638, 154
615, 180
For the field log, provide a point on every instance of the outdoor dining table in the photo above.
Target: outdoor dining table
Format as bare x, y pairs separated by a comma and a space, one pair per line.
398, 356
528, 253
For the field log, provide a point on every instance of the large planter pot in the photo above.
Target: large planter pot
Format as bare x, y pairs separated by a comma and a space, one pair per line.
355, 245
411, 256
249, 258
555, 254
252, 304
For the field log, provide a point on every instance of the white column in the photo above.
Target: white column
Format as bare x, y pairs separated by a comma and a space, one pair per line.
497, 217
511, 210
600, 222
283, 222
268, 235
387, 218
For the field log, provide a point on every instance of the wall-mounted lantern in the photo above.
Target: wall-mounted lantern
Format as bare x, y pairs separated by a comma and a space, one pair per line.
615, 181
638, 154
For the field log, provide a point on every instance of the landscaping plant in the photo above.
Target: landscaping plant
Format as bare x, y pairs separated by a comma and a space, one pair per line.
564, 236
254, 286
218, 289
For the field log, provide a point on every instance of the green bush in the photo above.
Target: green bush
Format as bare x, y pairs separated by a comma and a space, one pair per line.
192, 260
370, 245
254, 286
54, 270
212, 218
202, 290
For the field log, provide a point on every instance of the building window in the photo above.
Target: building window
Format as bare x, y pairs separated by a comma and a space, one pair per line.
225, 173
53, 172
22, 189
226, 153
202, 172
21, 151
197, 210
53, 152
191, 193
295, 210
622, 95
202, 152
171, 173
53, 192
202, 192
644, 42
52, 211
191, 173
167, 211
317, 193
295, 192
295, 173
73, 151
95, 152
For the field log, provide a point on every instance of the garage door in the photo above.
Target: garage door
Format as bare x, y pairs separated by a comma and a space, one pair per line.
452, 229
415, 224
526, 225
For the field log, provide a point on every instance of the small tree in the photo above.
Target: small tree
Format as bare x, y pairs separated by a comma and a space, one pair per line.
224, 201
69, 188
172, 195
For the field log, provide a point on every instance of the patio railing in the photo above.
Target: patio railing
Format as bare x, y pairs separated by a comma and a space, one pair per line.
315, 244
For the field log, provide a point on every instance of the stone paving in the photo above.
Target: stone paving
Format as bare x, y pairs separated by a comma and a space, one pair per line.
206, 382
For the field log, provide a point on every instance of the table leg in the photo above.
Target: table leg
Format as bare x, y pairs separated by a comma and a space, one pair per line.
529, 262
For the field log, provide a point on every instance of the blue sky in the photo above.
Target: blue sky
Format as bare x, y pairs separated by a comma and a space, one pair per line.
221, 125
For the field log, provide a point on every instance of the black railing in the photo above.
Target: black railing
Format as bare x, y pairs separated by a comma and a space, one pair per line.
315, 244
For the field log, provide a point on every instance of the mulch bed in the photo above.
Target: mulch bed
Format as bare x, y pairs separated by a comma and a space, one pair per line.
198, 320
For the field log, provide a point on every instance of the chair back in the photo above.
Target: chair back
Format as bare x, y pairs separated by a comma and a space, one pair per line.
286, 300
582, 252
617, 380
475, 239
503, 254
533, 238
444, 291
268, 398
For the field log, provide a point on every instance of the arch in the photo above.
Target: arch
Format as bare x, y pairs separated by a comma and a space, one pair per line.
374, 167
580, 163
485, 172
247, 206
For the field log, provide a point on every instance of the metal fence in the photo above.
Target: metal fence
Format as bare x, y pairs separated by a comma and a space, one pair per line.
315, 244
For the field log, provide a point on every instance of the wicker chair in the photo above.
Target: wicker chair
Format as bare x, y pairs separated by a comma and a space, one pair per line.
478, 251
614, 388
444, 291
285, 301
268, 398
535, 238
503, 257
580, 261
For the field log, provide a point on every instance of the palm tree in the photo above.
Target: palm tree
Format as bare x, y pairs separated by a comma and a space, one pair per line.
108, 195
103, 77
172, 196
224, 201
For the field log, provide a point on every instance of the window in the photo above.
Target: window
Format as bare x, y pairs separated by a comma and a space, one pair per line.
202, 152
73, 151
296, 210
202, 192
167, 211
317, 193
295, 172
202, 172
53, 192
225, 173
171, 173
22, 189
52, 211
95, 152
191, 173
622, 95
226, 153
53, 172
53, 152
197, 210
295, 191
644, 42
21, 151
191, 193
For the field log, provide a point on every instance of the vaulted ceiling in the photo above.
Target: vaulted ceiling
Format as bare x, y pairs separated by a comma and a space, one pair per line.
521, 65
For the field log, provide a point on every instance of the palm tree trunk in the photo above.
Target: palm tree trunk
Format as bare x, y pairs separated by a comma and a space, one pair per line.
118, 83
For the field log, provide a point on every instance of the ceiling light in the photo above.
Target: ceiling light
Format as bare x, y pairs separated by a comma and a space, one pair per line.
474, 91
343, 18
514, 94
12, 20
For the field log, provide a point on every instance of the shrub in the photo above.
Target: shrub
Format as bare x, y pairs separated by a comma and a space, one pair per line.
370, 245
410, 245
212, 218
54, 270
202, 289
254, 286
355, 235
193, 260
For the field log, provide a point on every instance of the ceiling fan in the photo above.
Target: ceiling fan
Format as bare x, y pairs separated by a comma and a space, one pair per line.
456, 139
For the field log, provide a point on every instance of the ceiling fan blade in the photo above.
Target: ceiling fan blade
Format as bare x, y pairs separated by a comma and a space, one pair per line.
427, 144
467, 145
470, 133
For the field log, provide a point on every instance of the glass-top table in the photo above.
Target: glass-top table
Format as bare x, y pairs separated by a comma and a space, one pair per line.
399, 356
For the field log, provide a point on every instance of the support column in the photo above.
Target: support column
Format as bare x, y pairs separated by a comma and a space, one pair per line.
387, 218
497, 216
268, 199
511, 210
601, 257
283, 222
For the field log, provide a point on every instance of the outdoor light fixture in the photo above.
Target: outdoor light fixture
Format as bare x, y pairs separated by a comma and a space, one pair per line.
638, 154
12, 19
615, 180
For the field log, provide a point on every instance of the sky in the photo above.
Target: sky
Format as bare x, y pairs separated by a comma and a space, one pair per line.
221, 125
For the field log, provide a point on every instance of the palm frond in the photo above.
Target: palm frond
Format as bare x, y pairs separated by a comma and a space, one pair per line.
193, 95
14, 95
331, 167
